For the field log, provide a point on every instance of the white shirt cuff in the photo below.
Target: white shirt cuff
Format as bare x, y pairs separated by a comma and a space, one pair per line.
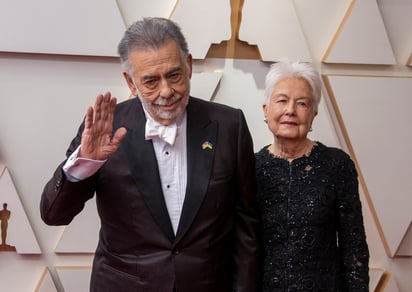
77, 168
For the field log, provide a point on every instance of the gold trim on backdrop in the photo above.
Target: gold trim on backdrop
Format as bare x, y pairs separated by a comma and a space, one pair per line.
383, 282
41, 280
338, 31
174, 9
409, 62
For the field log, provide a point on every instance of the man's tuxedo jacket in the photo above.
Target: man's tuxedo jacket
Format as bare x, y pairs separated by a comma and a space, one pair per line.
216, 245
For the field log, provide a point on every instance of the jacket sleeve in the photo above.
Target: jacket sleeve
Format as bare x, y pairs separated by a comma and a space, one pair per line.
247, 253
61, 199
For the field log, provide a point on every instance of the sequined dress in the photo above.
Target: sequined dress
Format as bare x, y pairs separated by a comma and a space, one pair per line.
308, 208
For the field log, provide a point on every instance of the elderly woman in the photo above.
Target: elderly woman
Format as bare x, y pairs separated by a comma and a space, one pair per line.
313, 233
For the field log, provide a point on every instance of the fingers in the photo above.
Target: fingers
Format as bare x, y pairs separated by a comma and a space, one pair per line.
111, 106
119, 135
89, 118
103, 109
101, 105
99, 118
97, 139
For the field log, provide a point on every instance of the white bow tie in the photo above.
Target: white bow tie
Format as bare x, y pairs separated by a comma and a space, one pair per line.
166, 133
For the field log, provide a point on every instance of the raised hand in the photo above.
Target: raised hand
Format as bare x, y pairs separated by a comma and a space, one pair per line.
97, 142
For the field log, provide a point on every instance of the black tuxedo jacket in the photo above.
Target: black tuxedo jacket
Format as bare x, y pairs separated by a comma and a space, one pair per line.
215, 247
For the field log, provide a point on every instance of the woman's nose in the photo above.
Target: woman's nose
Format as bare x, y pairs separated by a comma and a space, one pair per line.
290, 108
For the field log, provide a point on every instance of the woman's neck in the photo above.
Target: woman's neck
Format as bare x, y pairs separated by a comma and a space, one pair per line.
291, 150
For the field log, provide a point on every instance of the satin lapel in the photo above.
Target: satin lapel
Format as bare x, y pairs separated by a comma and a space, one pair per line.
143, 166
200, 157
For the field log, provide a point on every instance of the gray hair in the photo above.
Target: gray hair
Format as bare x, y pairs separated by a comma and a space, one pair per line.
150, 33
286, 68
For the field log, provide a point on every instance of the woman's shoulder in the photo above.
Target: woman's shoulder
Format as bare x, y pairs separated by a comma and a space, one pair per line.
333, 157
263, 152
331, 151
262, 156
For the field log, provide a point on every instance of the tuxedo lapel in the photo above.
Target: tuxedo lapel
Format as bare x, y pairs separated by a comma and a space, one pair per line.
142, 162
201, 141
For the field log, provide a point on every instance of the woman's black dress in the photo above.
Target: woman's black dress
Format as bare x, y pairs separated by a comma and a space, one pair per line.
313, 232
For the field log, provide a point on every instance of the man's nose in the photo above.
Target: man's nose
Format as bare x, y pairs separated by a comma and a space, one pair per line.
165, 89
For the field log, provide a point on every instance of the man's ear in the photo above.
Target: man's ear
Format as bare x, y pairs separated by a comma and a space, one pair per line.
189, 63
130, 83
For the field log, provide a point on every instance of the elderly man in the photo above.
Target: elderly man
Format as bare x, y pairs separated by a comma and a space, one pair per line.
173, 177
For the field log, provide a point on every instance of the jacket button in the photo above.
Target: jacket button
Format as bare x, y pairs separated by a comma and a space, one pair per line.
57, 186
176, 252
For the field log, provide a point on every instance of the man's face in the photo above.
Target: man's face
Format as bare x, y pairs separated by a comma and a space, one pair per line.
161, 80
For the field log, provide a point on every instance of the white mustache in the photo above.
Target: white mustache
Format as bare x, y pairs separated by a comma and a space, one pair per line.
167, 101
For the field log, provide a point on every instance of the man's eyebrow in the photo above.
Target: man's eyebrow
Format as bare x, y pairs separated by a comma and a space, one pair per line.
153, 76
148, 77
173, 70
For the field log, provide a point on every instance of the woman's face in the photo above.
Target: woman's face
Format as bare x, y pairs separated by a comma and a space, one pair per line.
289, 111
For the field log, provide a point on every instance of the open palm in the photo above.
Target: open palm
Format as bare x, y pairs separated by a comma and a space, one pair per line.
97, 142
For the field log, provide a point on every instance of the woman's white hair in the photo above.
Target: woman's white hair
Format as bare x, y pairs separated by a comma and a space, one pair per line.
286, 68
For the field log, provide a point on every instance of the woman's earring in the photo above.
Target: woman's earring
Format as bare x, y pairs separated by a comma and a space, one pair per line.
266, 121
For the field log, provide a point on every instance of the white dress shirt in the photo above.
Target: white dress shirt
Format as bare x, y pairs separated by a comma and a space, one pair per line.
172, 162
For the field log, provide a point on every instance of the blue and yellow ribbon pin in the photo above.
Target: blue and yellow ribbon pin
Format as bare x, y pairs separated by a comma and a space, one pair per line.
207, 145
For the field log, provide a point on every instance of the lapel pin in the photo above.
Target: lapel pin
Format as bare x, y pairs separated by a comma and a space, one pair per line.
207, 145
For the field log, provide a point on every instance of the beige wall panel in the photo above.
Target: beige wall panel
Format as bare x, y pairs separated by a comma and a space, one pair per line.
362, 38
380, 138
20, 273
275, 28
401, 274
132, 10
204, 84
52, 27
319, 21
203, 23
405, 248
46, 283
396, 15
74, 278
322, 127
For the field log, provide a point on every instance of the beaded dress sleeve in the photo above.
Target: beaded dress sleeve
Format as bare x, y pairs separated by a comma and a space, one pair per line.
351, 232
